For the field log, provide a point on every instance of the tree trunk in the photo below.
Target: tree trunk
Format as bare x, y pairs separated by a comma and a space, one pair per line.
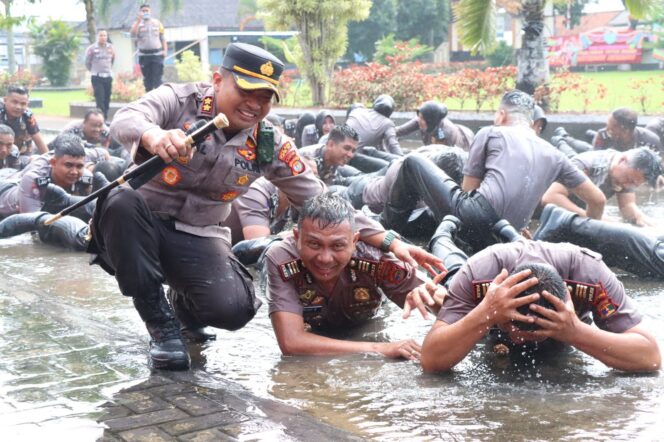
533, 67
90, 20
11, 56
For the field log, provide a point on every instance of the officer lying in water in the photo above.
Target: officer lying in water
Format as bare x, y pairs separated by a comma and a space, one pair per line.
533, 290
322, 277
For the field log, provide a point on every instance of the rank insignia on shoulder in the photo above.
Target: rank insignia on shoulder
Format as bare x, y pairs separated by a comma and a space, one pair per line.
206, 105
479, 290
364, 265
42, 181
361, 294
391, 272
581, 292
290, 269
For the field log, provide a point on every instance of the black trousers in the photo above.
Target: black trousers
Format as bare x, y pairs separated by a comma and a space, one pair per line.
419, 179
102, 87
152, 68
144, 251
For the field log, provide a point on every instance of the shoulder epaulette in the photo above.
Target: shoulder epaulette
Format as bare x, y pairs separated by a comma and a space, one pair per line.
392, 272
582, 292
479, 290
290, 269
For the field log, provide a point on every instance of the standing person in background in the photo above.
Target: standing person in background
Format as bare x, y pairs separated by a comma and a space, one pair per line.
99, 59
152, 47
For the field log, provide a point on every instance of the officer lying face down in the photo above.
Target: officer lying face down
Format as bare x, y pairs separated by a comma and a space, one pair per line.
322, 277
533, 291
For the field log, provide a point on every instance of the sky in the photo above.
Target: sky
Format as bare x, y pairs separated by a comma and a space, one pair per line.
73, 10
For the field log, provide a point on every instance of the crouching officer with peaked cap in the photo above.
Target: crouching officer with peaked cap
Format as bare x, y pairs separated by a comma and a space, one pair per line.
169, 229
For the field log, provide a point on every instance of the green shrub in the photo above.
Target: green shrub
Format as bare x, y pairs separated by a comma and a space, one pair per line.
56, 43
189, 68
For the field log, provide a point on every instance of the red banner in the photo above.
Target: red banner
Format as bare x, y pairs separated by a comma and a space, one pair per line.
602, 46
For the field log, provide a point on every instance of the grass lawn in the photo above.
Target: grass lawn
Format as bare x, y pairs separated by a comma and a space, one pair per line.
56, 103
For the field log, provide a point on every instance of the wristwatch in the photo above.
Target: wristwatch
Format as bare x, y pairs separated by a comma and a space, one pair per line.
387, 241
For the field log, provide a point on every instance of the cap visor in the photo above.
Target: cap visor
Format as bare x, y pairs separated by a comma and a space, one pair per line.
248, 83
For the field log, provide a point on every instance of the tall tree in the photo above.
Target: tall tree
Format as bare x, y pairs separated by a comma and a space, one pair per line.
7, 23
477, 25
363, 35
323, 33
426, 20
90, 20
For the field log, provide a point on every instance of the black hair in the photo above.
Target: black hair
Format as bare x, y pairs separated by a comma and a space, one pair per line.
339, 133
94, 111
451, 161
145, 5
17, 89
520, 103
112, 170
67, 144
6, 130
433, 113
625, 117
647, 161
327, 209
548, 279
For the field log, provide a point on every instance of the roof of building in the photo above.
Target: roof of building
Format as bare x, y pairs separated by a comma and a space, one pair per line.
589, 22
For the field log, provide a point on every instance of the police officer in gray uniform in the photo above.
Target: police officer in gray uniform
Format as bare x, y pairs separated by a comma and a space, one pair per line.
14, 113
534, 304
615, 173
621, 133
99, 59
168, 229
334, 154
436, 128
10, 158
152, 47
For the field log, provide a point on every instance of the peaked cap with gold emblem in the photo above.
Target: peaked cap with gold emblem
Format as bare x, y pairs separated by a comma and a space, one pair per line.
253, 67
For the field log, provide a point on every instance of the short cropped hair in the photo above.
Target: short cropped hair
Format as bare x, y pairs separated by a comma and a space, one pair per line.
6, 130
625, 117
647, 161
67, 144
451, 161
520, 104
145, 5
94, 111
327, 209
17, 89
339, 133
548, 279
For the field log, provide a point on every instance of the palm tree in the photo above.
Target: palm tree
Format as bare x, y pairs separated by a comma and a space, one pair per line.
478, 32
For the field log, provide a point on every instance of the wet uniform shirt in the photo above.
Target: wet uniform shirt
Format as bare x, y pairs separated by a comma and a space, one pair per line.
447, 133
326, 172
99, 59
28, 187
596, 164
374, 130
516, 168
595, 289
76, 128
24, 127
309, 135
642, 137
357, 295
198, 194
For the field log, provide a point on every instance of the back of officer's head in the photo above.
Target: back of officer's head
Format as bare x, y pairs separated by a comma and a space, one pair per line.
647, 161
384, 105
67, 144
518, 105
451, 161
338, 134
626, 118
327, 210
548, 279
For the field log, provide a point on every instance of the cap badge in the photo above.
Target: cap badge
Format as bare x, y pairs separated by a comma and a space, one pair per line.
267, 69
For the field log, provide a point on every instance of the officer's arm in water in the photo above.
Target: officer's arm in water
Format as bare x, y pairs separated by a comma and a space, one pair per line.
631, 212
589, 193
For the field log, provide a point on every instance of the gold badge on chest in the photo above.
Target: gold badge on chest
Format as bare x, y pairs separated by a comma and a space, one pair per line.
307, 296
361, 294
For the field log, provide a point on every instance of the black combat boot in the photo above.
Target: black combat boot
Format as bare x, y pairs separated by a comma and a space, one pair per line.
167, 350
57, 199
21, 223
560, 143
99, 180
248, 250
503, 231
190, 328
554, 224
442, 246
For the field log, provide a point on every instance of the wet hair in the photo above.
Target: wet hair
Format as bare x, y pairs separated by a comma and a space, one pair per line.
94, 111
320, 120
305, 119
548, 279
451, 161
625, 117
327, 209
433, 113
112, 170
384, 105
352, 107
67, 144
17, 89
339, 133
6, 130
647, 161
518, 105
538, 114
